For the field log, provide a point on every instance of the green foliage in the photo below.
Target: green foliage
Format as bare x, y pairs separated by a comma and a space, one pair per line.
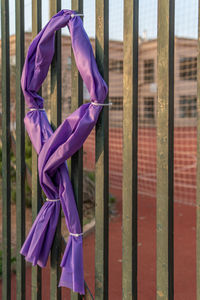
13, 261
28, 159
91, 175
111, 199
28, 151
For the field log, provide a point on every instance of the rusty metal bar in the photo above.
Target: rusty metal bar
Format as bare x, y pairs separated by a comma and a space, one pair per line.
165, 151
130, 148
77, 158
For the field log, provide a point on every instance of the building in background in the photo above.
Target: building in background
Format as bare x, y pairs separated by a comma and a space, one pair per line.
185, 73
185, 80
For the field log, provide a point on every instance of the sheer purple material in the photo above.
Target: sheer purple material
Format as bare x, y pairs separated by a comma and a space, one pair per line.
55, 148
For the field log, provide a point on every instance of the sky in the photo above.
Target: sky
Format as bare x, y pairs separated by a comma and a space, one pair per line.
186, 17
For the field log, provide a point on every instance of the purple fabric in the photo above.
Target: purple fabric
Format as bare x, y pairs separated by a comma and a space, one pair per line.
55, 148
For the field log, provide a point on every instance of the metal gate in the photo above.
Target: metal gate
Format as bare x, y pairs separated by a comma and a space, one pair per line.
164, 158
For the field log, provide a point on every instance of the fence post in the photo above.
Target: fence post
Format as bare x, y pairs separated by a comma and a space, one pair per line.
55, 99
6, 217
20, 151
36, 190
165, 151
77, 158
101, 158
130, 147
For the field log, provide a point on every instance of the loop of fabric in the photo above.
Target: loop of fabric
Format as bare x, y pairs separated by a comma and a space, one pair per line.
54, 148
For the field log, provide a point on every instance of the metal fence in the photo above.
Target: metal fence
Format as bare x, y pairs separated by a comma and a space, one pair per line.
164, 156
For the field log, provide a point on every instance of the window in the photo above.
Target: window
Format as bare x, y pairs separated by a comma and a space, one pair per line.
116, 65
148, 70
187, 107
188, 68
149, 108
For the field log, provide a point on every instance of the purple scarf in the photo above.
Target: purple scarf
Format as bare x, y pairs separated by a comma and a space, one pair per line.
55, 148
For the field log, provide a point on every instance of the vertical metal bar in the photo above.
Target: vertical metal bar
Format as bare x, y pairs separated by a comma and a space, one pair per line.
6, 217
76, 101
36, 190
171, 153
165, 164
101, 158
130, 149
55, 98
198, 165
20, 151
77, 158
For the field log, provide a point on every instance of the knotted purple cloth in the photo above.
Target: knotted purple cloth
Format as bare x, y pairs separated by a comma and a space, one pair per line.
55, 148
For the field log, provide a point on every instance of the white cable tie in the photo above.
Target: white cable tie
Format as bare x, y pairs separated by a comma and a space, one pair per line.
33, 109
52, 200
77, 15
101, 104
76, 234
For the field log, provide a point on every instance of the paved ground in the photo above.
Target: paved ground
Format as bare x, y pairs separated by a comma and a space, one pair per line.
184, 255
185, 282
